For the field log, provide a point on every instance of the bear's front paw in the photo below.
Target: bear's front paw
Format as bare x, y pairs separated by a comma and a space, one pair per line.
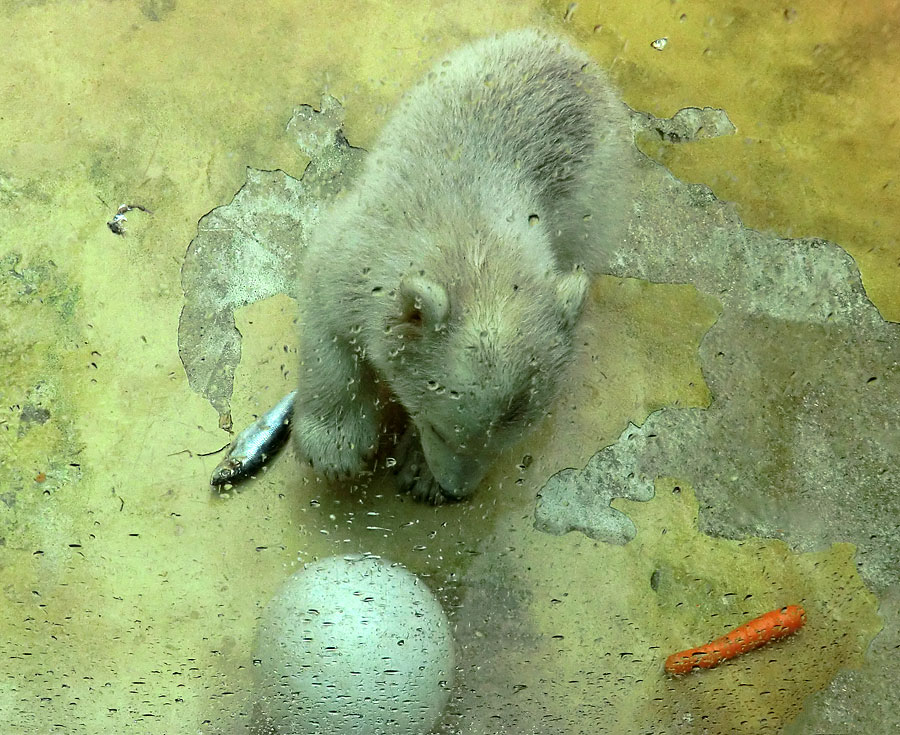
413, 473
334, 450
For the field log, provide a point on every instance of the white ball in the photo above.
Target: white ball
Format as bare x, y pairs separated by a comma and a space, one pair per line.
353, 645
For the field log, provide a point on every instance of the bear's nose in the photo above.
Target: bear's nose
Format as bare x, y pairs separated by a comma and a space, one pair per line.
458, 474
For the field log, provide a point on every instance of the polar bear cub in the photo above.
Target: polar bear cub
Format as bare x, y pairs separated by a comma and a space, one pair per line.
451, 275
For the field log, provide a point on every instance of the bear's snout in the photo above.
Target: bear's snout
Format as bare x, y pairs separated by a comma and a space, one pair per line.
458, 472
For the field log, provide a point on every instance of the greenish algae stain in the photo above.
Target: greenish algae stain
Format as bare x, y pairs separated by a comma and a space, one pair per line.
592, 625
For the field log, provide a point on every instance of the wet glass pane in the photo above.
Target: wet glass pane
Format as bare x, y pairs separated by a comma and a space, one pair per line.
449, 368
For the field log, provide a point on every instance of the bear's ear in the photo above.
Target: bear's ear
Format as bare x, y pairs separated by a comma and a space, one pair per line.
572, 289
423, 303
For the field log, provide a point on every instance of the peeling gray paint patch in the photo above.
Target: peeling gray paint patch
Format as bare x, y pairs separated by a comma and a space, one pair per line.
578, 500
802, 438
249, 249
805, 377
686, 125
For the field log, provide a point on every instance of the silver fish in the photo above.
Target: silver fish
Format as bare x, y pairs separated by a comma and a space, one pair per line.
255, 444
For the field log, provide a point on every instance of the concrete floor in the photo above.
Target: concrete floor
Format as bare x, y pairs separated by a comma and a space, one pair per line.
130, 593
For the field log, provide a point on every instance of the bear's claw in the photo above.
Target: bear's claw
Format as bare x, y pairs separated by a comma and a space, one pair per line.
413, 474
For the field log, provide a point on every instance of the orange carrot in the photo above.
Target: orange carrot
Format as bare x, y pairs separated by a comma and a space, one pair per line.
759, 631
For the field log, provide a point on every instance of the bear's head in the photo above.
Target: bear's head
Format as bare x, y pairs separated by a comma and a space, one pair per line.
476, 357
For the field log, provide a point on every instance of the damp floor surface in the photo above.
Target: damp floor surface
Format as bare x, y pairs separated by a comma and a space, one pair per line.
726, 443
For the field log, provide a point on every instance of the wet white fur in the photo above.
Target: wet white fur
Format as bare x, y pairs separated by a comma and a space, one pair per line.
455, 269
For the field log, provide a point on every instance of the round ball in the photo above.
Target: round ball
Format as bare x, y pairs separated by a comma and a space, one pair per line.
353, 645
